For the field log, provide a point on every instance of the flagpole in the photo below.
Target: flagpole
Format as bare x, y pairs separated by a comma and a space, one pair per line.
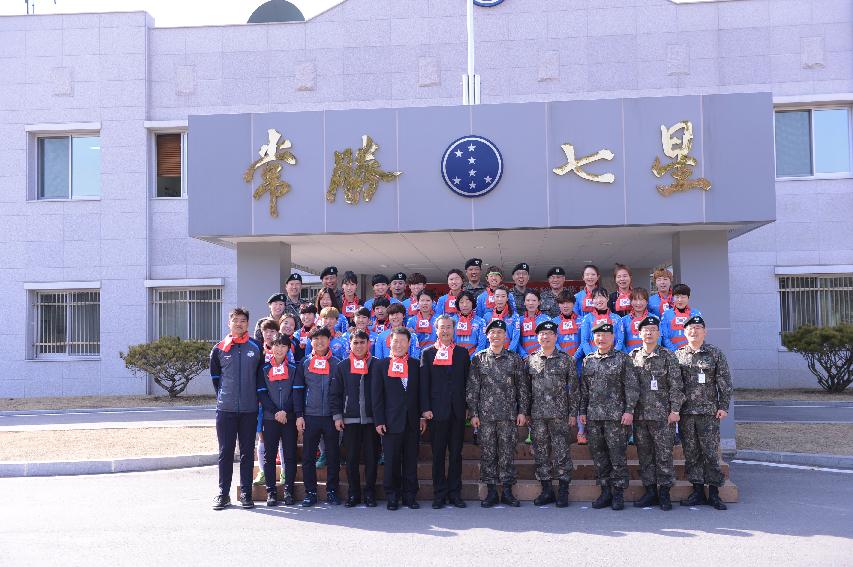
471, 81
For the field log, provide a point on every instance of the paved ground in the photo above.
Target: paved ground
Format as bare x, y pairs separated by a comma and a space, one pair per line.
794, 411
786, 517
106, 418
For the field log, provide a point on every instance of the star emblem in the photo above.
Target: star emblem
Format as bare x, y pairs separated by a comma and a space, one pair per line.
479, 170
458, 153
488, 179
456, 180
472, 172
472, 160
471, 147
472, 185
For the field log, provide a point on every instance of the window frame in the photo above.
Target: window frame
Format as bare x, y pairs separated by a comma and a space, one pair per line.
152, 162
33, 294
155, 316
811, 108
816, 291
35, 180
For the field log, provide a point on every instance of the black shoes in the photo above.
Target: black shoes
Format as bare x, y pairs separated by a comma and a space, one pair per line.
697, 497
392, 504
508, 498
438, 503
714, 498
246, 499
546, 496
663, 498
288, 498
618, 502
563, 494
491, 496
221, 502
272, 500
309, 500
650, 498
332, 498
604, 499
457, 501
369, 500
411, 503
352, 501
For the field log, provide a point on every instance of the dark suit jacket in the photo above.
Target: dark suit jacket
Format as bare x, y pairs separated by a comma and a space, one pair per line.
445, 385
394, 407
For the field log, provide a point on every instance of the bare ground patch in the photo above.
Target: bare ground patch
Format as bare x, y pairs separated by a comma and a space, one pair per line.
829, 438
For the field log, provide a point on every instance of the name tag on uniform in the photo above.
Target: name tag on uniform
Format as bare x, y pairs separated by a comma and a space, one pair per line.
357, 364
451, 303
278, 370
528, 326
462, 326
396, 366
654, 385
701, 377
423, 323
319, 363
568, 326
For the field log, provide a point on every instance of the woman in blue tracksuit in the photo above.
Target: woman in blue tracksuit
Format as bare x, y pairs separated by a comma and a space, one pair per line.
528, 342
673, 320
486, 300
422, 323
631, 321
470, 329
504, 311
600, 313
327, 297
583, 298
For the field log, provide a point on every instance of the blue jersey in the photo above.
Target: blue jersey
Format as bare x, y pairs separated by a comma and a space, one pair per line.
589, 322
412, 307
527, 341
470, 333
346, 340
513, 329
659, 305
631, 332
583, 304
446, 304
486, 302
569, 334
337, 345
342, 325
672, 326
382, 347
423, 329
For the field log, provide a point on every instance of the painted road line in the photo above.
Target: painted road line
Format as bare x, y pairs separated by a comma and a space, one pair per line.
787, 466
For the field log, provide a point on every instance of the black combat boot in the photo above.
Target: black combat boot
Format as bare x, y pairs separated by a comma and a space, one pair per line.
547, 494
245, 499
272, 498
491, 496
563, 494
714, 498
650, 498
508, 498
697, 497
618, 499
604, 500
663, 498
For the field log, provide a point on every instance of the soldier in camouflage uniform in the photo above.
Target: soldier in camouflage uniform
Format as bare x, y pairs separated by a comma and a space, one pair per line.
473, 272
548, 298
708, 391
292, 300
520, 277
609, 393
498, 397
554, 386
661, 396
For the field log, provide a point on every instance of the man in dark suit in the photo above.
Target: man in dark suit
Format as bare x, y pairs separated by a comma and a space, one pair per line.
396, 393
444, 374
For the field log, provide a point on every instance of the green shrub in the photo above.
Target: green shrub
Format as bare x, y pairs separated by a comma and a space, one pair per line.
828, 352
170, 361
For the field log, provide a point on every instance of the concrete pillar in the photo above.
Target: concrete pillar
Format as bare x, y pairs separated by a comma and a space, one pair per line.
701, 260
262, 269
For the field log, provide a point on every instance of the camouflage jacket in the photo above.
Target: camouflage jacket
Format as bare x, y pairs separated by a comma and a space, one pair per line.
716, 392
475, 289
609, 386
498, 388
553, 384
518, 296
661, 366
293, 307
548, 303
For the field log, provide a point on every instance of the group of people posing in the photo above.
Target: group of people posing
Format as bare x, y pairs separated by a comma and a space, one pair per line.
384, 371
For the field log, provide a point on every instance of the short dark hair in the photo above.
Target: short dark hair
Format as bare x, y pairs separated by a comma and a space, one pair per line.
350, 277
359, 334
471, 297
426, 292
402, 331
532, 291
269, 324
396, 308
565, 296
308, 308
502, 287
600, 291
458, 272
681, 289
417, 278
381, 302
640, 293
320, 332
237, 312
281, 340
363, 311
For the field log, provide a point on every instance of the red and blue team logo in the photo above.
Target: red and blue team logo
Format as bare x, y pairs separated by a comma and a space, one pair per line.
472, 166
487, 3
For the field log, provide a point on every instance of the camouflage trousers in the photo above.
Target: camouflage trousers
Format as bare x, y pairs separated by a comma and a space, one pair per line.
654, 441
608, 445
700, 439
552, 449
497, 441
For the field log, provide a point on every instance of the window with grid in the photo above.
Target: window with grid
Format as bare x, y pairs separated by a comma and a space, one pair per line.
189, 313
813, 141
69, 167
66, 324
170, 151
822, 301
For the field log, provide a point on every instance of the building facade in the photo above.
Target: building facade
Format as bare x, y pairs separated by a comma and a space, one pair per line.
102, 247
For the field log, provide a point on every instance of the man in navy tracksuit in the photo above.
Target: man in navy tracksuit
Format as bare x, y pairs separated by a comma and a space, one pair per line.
279, 420
314, 415
234, 363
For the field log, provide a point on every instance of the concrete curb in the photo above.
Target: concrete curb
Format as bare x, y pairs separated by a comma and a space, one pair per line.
107, 466
806, 459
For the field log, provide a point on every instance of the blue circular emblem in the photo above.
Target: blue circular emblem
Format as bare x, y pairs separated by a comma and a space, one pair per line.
472, 166
487, 3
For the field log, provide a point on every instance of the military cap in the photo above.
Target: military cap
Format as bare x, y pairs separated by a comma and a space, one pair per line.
294, 277
473, 262
603, 327
277, 297
556, 271
496, 324
546, 326
650, 320
521, 266
330, 271
398, 276
379, 278
695, 320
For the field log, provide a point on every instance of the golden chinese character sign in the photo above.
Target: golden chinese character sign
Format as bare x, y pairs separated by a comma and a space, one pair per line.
681, 168
272, 155
576, 165
359, 179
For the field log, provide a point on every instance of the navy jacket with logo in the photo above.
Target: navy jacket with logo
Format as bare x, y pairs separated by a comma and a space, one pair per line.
235, 376
279, 393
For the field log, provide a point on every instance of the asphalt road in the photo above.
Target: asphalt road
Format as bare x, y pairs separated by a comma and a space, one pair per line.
794, 411
58, 419
785, 517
